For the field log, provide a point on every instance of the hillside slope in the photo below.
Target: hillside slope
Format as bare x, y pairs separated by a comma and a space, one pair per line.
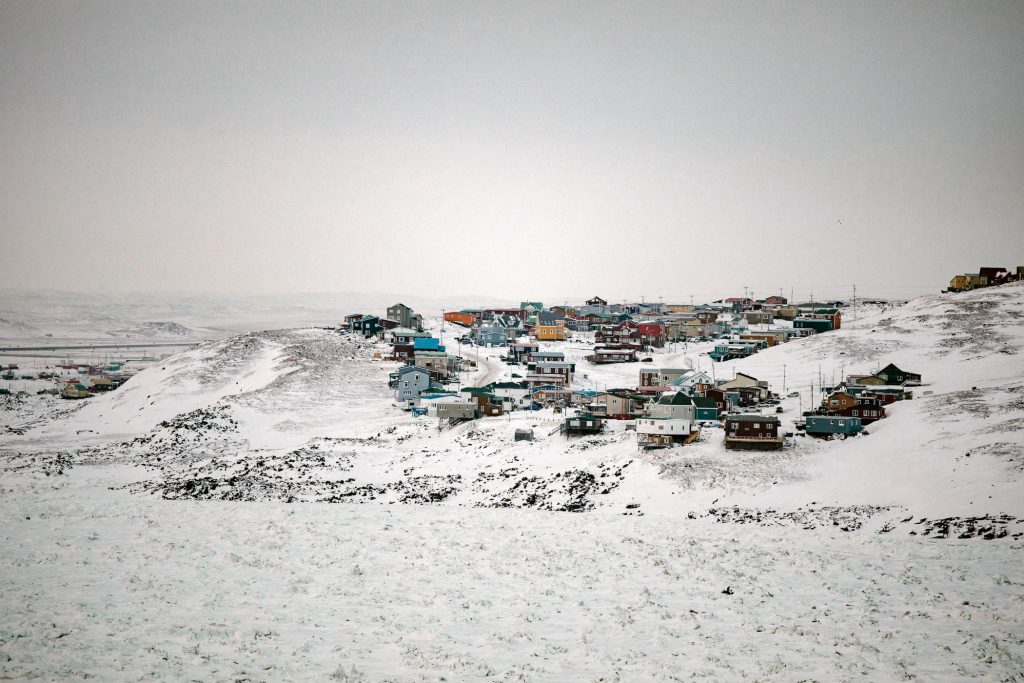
306, 415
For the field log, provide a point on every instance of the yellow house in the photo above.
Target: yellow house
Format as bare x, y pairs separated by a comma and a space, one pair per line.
555, 331
959, 282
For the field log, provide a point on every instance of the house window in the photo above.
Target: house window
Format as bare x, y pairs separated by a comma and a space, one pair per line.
757, 425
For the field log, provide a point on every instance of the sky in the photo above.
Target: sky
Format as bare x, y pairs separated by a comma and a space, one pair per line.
518, 150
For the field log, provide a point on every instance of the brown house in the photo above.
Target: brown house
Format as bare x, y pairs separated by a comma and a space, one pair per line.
752, 433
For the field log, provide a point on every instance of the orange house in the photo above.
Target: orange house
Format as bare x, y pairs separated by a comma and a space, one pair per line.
553, 332
460, 318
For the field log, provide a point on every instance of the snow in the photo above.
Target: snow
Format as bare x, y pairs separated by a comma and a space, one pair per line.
98, 583
188, 524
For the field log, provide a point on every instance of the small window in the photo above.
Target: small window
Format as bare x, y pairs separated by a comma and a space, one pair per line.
757, 425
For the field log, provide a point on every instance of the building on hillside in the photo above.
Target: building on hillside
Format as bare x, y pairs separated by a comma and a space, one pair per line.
412, 381
893, 376
367, 326
832, 426
677, 406
460, 318
614, 406
752, 432
549, 370
521, 352
404, 315
661, 432
596, 301
704, 409
657, 377
744, 380
582, 425
776, 300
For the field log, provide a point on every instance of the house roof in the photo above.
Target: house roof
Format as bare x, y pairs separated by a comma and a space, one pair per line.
676, 399
426, 344
412, 368
752, 418
704, 402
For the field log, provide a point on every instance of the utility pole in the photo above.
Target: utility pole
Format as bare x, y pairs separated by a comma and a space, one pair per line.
691, 301
854, 304
783, 374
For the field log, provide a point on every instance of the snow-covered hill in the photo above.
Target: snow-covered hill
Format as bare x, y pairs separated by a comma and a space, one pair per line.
306, 415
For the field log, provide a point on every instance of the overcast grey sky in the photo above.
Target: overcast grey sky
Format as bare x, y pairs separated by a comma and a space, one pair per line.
512, 149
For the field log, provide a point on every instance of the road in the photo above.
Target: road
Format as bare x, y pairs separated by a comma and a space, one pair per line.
90, 347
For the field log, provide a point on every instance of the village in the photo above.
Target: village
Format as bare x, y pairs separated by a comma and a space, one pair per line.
550, 359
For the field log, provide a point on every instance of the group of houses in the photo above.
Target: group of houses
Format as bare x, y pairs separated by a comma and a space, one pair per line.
986, 276
397, 316
622, 331
668, 406
859, 401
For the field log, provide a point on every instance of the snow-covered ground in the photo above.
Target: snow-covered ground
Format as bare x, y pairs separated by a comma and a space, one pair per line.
147, 532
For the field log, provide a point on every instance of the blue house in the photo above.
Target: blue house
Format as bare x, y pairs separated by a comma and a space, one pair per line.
427, 344
491, 336
367, 326
827, 426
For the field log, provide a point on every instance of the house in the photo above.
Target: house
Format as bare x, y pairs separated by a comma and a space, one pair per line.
350, 319
893, 376
655, 377
651, 334
692, 382
553, 372
404, 335
457, 410
677, 406
549, 327
864, 380
868, 408
603, 355
656, 432
530, 309
490, 335
412, 381
546, 357
583, 424
721, 399
832, 426
367, 326
752, 432
487, 402
596, 301
731, 350
521, 351
776, 300
759, 317
770, 338
518, 393
615, 406
548, 394
402, 352
745, 380
821, 320
460, 318
704, 408
818, 325
427, 344
404, 315
626, 332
